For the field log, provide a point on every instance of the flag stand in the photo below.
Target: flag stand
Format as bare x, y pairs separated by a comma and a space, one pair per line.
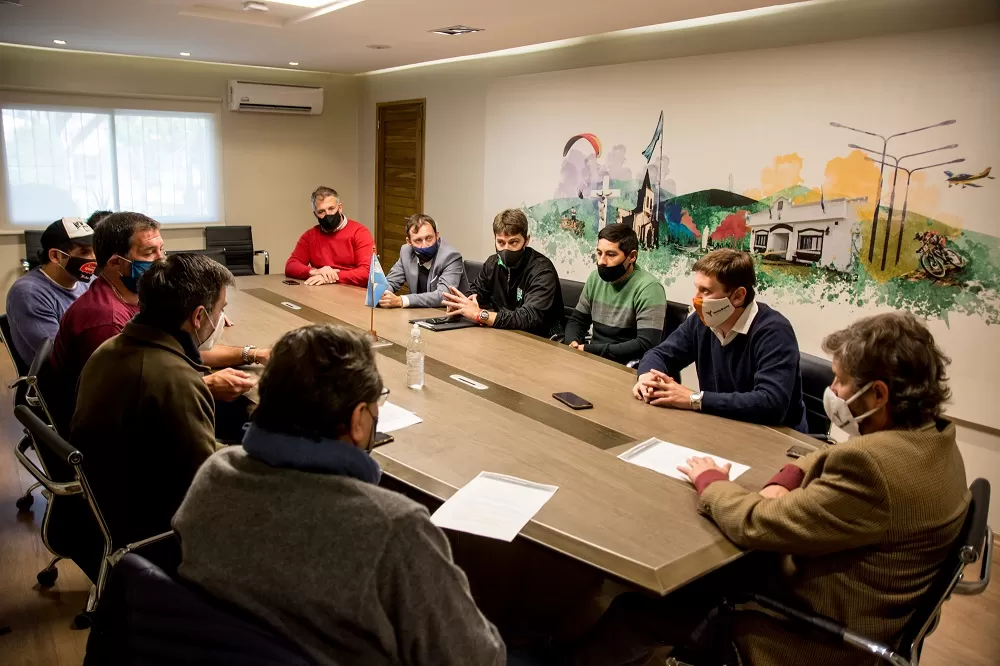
372, 334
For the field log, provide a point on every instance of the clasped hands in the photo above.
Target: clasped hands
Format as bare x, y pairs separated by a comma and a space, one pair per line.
324, 275
660, 390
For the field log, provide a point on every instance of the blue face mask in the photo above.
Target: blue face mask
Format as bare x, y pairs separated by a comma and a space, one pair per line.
131, 281
426, 253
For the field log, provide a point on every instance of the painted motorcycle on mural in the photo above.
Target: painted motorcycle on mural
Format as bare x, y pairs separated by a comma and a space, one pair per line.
935, 256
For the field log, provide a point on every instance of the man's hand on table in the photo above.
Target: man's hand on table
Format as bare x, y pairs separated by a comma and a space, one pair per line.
390, 300
457, 303
228, 384
698, 465
324, 275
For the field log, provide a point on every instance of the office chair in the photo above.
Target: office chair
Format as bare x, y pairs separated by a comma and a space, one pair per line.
817, 375
974, 544
472, 270
237, 244
148, 617
5, 336
675, 315
571, 292
32, 397
32, 248
56, 454
218, 255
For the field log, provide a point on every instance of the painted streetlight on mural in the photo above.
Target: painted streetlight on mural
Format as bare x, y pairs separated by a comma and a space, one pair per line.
892, 196
885, 147
906, 197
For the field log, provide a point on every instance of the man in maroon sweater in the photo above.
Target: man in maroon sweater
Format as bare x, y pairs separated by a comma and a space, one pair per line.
335, 250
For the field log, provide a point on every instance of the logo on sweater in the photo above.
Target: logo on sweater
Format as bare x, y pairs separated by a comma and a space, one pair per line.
520, 295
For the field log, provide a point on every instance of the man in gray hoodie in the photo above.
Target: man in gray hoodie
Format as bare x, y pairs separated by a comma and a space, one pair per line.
293, 527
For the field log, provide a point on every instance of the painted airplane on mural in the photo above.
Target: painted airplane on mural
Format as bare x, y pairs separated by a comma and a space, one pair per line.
965, 179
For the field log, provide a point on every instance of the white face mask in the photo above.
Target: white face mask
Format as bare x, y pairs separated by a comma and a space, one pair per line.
839, 411
713, 311
213, 339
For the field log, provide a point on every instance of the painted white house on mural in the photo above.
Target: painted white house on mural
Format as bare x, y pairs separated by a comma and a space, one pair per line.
822, 232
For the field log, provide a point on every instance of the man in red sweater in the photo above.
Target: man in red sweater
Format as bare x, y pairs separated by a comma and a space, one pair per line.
335, 250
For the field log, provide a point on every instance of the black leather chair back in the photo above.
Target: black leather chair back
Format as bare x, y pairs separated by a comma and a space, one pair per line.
19, 365
676, 314
237, 245
571, 292
817, 374
32, 246
472, 270
216, 254
146, 617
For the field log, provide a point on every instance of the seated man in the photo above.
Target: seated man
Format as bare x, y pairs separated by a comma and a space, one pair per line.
745, 353
335, 250
351, 572
520, 285
145, 420
625, 304
126, 245
862, 527
427, 264
37, 300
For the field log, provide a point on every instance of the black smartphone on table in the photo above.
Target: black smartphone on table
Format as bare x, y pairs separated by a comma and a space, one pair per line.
382, 438
573, 401
796, 451
291, 282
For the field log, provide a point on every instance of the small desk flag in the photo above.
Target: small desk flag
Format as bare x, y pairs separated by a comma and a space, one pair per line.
377, 284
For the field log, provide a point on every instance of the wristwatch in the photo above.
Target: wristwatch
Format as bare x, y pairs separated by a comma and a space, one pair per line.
696, 400
246, 354
484, 317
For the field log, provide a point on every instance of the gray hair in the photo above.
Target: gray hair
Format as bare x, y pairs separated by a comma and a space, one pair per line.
322, 192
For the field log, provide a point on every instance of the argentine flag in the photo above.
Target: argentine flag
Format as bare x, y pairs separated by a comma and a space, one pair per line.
377, 284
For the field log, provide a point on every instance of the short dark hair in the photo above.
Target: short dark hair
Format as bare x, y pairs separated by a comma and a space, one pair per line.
96, 218
322, 192
315, 377
114, 235
173, 288
732, 268
414, 222
899, 350
510, 222
621, 234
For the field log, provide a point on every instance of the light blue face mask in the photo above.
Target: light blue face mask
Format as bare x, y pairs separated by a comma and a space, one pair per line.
131, 281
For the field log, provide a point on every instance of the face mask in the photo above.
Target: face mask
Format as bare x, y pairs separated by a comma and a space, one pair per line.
839, 411
510, 258
713, 312
80, 268
330, 222
612, 273
213, 339
426, 253
371, 442
131, 281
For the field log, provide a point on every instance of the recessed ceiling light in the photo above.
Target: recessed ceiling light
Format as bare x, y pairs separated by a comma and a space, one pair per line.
185, 54
456, 30
60, 42
294, 64
378, 47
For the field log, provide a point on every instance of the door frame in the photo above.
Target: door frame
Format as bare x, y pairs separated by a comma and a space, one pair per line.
379, 157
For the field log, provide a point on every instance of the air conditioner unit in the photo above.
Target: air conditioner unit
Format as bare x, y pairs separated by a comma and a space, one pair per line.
274, 98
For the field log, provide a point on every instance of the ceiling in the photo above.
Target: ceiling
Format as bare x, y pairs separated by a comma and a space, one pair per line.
338, 41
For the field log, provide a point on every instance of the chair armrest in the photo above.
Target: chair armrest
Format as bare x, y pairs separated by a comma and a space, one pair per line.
267, 260
54, 487
977, 586
632, 365
116, 556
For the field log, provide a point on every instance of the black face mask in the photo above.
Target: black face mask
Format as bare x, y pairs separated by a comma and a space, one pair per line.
329, 222
612, 273
511, 258
80, 268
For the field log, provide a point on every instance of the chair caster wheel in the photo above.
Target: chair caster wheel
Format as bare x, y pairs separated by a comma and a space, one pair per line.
23, 504
83, 621
47, 577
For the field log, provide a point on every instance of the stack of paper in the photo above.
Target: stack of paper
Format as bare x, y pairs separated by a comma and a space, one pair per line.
393, 417
493, 505
665, 458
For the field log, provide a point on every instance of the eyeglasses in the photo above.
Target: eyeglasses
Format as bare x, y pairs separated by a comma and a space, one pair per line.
383, 396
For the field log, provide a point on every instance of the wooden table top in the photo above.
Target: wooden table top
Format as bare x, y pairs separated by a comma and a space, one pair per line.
628, 521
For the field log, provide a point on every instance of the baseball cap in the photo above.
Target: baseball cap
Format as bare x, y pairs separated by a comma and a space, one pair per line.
67, 230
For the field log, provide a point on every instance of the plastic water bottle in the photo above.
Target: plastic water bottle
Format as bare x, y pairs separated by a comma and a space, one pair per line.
415, 360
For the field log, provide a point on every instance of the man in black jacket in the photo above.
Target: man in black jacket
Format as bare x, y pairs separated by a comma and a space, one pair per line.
520, 285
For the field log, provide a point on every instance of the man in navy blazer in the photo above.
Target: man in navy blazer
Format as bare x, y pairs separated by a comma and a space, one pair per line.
427, 264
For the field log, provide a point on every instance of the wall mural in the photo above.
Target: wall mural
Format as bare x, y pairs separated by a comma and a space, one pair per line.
871, 234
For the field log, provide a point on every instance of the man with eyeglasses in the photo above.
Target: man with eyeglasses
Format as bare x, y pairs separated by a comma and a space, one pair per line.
351, 572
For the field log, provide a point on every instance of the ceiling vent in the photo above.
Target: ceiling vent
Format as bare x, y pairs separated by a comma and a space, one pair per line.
456, 30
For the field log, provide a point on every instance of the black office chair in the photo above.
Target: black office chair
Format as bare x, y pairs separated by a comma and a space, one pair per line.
32, 397
32, 249
817, 375
19, 365
68, 534
237, 244
147, 617
215, 254
571, 292
675, 315
974, 544
472, 270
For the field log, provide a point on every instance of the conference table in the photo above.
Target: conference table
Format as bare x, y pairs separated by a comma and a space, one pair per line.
631, 523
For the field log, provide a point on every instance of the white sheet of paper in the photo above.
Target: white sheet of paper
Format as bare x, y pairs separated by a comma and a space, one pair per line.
393, 417
665, 458
493, 505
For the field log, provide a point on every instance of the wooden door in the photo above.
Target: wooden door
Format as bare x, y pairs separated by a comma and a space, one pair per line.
399, 185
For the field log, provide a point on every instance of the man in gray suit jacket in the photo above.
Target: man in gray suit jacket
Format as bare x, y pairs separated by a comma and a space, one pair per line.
427, 264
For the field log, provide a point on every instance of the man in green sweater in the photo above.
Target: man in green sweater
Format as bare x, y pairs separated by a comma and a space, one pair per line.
625, 304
